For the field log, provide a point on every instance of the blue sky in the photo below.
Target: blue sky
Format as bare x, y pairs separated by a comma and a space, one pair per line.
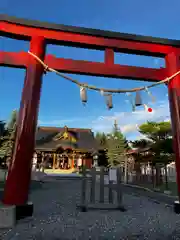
60, 102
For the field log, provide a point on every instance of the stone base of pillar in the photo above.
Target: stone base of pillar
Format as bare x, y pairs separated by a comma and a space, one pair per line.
24, 211
7, 216
177, 207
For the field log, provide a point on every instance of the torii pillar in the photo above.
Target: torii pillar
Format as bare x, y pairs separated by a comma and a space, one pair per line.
173, 66
19, 175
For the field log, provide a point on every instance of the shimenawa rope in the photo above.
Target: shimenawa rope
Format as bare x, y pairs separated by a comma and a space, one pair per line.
47, 68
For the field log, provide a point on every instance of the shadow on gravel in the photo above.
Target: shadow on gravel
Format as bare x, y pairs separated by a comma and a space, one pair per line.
35, 185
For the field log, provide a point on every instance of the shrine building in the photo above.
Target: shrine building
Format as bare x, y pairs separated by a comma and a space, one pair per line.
65, 148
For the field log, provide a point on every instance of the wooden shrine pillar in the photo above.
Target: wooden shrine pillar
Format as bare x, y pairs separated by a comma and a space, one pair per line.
41, 166
54, 160
57, 161
87, 162
173, 65
72, 160
19, 174
84, 160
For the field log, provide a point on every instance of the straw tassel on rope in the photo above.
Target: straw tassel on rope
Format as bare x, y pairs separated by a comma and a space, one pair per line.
129, 95
83, 94
138, 100
150, 94
109, 103
102, 92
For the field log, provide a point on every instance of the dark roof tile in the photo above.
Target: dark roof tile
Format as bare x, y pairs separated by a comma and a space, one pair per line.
85, 139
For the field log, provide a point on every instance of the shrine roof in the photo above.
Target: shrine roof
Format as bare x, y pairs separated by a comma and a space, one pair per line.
138, 150
88, 31
52, 138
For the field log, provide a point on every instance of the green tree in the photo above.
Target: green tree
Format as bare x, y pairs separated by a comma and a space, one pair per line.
160, 135
156, 130
8, 137
101, 139
116, 147
2, 127
141, 155
141, 143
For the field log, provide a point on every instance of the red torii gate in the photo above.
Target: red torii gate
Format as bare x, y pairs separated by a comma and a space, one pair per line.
40, 34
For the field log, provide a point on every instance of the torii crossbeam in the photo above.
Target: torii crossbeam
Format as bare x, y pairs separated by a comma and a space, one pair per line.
40, 34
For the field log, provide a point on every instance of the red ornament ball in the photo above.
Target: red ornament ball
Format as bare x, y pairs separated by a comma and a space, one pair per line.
149, 109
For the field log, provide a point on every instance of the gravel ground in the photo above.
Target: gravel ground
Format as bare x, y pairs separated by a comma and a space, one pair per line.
56, 217
156, 196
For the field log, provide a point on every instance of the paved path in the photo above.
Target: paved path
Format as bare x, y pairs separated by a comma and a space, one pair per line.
56, 217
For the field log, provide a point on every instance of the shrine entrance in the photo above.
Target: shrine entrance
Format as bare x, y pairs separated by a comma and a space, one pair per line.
62, 148
40, 34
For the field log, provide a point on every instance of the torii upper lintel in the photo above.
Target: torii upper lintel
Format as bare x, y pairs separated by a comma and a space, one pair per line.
24, 29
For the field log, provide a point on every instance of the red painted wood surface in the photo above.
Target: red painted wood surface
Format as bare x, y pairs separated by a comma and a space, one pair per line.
19, 175
107, 69
88, 162
83, 40
173, 65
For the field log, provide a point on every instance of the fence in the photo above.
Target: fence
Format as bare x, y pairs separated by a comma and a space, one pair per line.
3, 175
89, 190
145, 174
